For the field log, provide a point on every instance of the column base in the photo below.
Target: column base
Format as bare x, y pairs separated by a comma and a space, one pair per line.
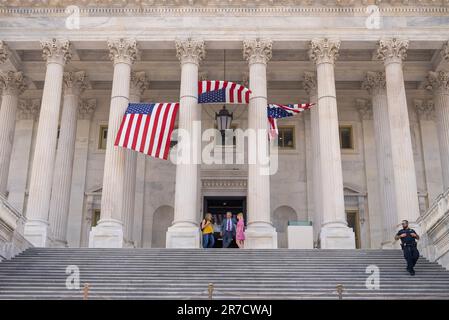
183, 235
36, 232
261, 236
107, 234
337, 236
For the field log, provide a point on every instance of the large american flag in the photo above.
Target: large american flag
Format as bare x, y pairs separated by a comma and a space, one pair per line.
276, 111
147, 128
212, 91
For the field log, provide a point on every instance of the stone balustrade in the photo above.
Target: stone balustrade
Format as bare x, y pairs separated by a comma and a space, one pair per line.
12, 240
434, 244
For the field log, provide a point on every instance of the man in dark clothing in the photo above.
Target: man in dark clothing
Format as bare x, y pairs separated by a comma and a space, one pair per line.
408, 243
228, 229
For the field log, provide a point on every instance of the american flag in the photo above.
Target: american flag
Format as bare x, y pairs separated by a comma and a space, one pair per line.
222, 92
276, 111
147, 128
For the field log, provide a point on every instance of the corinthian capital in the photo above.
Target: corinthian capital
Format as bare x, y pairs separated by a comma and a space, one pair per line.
392, 50
425, 110
12, 83
122, 50
364, 109
190, 51
75, 82
4, 52
310, 83
445, 52
374, 82
258, 50
139, 83
86, 108
28, 109
56, 51
324, 50
438, 82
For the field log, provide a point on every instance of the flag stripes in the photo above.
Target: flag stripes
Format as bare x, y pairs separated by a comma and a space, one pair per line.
147, 128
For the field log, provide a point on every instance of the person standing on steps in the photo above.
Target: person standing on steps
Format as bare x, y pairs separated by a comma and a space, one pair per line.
228, 229
240, 233
408, 243
208, 231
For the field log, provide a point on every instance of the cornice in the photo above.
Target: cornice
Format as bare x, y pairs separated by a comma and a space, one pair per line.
227, 8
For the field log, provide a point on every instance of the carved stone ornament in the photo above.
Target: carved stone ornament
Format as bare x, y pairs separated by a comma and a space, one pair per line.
139, 83
75, 82
56, 51
324, 50
190, 50
309, 83
28, 109
123, 50
438, 82
86, 108
12, 83
258, 50
392, 50
374, 82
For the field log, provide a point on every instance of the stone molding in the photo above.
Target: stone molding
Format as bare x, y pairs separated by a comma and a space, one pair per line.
123, 50
257, 50
12, 83
190, 51
227, 184
324, 50
56, 51
230, 7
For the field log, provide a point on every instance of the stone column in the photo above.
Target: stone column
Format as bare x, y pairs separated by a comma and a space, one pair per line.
86, 109
12, 85
392, 51
430, 149
374, 217
260, 232
310, 86
334, 232
139, 83
184, 231
375, 84
74, 84
109, 231
28, 110
438, 82
57, 54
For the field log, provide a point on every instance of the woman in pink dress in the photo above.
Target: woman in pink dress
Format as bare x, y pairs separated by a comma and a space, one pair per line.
240, 232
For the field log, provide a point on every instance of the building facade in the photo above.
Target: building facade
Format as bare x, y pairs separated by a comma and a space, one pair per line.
373, 150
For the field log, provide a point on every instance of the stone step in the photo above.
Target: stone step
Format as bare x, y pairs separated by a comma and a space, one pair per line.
39, 273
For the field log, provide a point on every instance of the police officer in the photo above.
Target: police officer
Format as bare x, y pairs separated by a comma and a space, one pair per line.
408, 243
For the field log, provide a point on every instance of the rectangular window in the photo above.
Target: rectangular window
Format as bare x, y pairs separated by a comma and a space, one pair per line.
103, 137
346, 137
95, 217
286, 138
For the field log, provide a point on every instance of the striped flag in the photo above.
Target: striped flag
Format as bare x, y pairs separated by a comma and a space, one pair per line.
276, 111
222, 92
147, 128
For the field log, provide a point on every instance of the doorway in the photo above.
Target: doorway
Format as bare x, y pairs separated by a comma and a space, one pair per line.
353, 220
218, 206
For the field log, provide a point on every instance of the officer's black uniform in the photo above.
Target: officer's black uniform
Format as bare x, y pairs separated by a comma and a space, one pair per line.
411, 253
